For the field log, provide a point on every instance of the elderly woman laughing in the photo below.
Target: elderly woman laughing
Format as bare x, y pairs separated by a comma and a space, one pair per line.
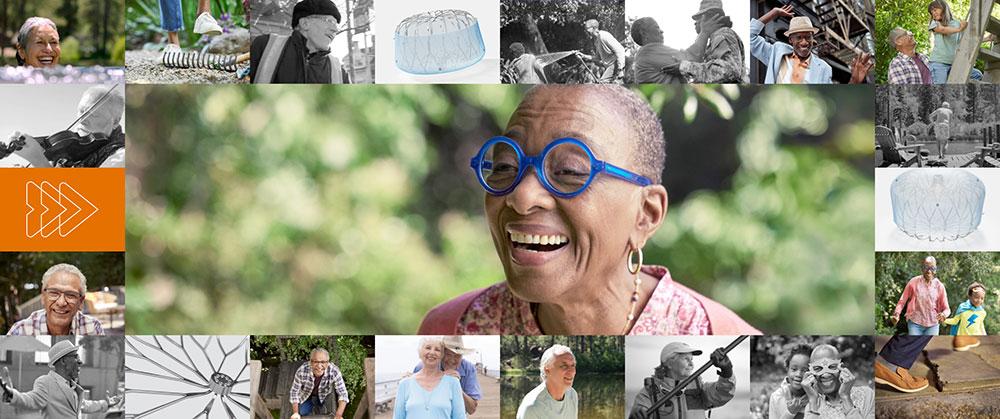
38, 43
573, 194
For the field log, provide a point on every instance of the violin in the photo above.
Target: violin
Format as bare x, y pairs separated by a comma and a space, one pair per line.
66, 146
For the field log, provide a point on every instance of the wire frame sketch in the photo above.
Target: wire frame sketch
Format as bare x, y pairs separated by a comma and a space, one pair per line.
937, 204
438, 42
181, 377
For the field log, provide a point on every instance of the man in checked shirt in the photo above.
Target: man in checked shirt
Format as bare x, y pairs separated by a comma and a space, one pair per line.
909, 66
314, 385
63, 290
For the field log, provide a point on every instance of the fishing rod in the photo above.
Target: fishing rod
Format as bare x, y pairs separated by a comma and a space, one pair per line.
684, 383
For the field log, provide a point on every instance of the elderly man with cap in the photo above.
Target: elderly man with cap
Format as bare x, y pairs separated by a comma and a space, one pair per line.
63, 289
304, 56
555, 397
794, 63
909, 66
56, 394
314, 386
676, 364
452, 364
608, 52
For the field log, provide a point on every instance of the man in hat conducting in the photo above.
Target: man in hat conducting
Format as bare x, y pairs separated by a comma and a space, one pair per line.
56, 393
795, 63
676, 364
453, 364
304, 56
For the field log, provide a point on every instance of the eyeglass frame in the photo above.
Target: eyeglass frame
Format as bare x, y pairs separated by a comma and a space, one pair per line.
524, 162
929, 268
311, 362
64, 294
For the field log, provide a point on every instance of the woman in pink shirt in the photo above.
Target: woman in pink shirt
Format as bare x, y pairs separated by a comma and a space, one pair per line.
928, 301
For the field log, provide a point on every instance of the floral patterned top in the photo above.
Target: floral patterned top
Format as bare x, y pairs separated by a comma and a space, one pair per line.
670, 311
927, 299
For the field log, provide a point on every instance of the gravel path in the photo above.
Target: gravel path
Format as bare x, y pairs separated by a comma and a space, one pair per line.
142, 67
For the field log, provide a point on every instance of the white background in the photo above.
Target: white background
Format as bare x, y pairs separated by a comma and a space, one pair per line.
390, 13
888, 237
396, 355
674, 18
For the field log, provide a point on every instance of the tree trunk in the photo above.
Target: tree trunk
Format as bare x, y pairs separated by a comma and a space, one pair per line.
536, 45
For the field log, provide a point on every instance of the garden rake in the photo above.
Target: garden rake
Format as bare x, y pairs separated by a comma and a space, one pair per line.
195, 59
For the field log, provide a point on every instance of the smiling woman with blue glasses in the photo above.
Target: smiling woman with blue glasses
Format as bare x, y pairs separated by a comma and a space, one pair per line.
572, 196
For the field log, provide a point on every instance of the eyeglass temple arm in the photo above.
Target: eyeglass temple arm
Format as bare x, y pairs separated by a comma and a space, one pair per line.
623, 174
484, 164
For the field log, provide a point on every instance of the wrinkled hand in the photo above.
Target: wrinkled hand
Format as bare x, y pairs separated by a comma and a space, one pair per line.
671, 66
783, 11
721, 361
809, 385
114, 400
940, 317
6, 388
895, 319
846, 383
31, 151
408, 374
714, 23
453, 373
860, 66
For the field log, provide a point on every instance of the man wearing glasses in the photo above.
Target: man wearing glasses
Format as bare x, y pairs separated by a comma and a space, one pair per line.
304, 56
56, 394
314, 386
63, 290
909, 66
795, 63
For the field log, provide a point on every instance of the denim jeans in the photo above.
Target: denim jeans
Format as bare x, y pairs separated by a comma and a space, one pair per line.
313, 402
171, 16
939, 73
917, 330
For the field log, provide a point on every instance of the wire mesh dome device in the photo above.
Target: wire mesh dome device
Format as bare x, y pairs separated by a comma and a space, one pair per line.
937, 204
438, 42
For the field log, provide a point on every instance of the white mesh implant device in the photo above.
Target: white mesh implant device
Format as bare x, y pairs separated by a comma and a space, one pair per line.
937, 204
438, 42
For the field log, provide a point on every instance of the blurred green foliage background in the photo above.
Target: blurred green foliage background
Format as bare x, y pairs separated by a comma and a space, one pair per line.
351, 209
956, 270
91, 32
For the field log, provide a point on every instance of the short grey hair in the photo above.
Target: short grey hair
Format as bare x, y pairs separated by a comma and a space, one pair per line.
591, 23
318, 350
550, 356
433, 339
65, 267
895, 34
32, 23
115, 101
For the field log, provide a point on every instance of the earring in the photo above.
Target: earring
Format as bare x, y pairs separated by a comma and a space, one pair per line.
634, 269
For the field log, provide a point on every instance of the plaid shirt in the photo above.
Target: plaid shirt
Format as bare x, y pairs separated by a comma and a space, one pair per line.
302, 387
34, 325
903, 70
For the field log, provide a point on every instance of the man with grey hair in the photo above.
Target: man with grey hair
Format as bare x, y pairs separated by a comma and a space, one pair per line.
38, 43
101, 128
676, 364
316, 383
555, 396
909, 66
608, 52
63, 290
941, 120
304, 56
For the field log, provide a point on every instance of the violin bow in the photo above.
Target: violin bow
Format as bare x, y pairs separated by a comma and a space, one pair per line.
100, 101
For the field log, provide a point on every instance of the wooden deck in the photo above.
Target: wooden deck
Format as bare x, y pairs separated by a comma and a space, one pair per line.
950, 160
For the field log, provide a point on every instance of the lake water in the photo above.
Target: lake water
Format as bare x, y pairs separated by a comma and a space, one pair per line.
601, 395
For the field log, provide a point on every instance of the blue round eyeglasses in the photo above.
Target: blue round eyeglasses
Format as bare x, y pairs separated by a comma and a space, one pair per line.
566, 167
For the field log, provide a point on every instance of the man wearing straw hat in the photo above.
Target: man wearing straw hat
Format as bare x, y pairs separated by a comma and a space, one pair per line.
453, 364
795, 63
676, 364
57, 394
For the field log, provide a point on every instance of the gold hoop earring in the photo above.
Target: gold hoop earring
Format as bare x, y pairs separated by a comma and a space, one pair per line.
634, 269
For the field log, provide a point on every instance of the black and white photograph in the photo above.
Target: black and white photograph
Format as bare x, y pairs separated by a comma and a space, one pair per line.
76, 125
687, 42
312, 41
187, 376
812, 376
923, 209
437, 41
462, 373
566, 42
785, 39
937, 126
687, 376
62, 377
62, 293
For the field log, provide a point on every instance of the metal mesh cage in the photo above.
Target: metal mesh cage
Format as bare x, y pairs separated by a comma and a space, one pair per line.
438, 42
937, 204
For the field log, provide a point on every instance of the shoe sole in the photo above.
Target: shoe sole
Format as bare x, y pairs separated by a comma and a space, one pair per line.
904, 390
966, 347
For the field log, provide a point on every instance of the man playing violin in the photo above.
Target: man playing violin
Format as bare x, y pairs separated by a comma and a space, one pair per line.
98, 139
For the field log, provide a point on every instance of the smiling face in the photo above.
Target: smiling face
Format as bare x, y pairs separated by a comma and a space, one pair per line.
977, 297
798, 366
69, 366
431, 352
59, 311
318, 363
929, 268
41, 48
319, 31
801, 43
561, 371
825, 365
450, 359
587, 234
936, 13
680, 365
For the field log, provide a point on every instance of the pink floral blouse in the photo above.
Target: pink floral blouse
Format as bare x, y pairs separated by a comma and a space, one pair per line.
927, 299
670, 311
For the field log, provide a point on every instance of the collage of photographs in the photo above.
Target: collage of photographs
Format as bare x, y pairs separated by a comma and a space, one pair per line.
517, 209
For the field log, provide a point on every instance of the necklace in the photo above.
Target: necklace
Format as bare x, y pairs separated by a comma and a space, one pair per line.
628, 320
